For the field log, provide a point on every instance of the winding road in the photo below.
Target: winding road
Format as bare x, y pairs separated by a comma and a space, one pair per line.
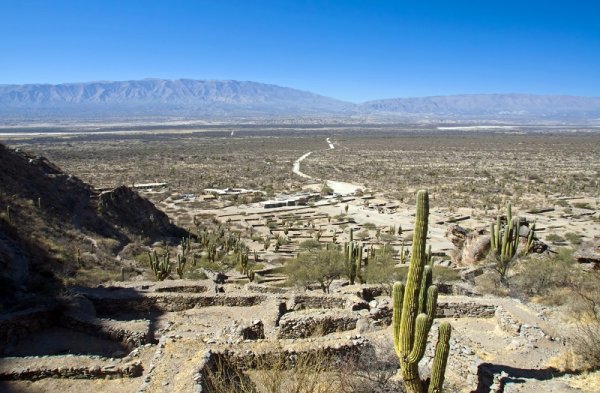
338, 187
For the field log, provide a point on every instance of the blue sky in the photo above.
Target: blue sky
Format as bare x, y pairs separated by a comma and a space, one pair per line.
351, 50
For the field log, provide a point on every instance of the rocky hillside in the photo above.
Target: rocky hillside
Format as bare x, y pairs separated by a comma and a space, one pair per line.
54, 226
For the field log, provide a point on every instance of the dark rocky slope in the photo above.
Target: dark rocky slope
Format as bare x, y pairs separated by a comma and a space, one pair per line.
54, 226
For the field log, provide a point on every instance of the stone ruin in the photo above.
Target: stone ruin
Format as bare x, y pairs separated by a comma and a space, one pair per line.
335, 323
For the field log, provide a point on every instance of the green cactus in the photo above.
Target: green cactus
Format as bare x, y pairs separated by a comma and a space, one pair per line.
504, 241
530, 239
181, 261
414, 307
160, 266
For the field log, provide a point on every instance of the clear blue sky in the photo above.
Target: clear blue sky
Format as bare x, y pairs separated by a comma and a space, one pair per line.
351, 50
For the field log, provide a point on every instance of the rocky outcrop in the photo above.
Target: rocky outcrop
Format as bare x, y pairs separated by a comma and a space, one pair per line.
471, 247
47, 215
136, 214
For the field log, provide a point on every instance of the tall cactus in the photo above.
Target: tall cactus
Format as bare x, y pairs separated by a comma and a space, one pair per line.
414, 307
160, 266
504, 241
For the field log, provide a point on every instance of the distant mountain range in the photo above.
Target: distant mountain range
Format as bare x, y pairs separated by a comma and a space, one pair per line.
197, 99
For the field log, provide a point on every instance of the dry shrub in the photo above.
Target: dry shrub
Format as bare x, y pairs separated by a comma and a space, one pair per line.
311, 372
543, 276
489, 283
587, 340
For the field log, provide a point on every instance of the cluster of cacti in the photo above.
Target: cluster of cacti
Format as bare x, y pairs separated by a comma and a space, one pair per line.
160, 265
504, 237
403, 253
414, 307
353, 256
186, 245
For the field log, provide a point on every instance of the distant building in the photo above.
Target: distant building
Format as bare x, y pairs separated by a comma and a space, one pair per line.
292, 200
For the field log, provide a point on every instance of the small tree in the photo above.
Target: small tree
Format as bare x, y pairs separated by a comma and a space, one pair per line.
381, 269
320, 267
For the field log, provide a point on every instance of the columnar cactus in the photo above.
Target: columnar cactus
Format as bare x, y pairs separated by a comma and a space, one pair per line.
181, 261
504, 238
160, 266
414, 307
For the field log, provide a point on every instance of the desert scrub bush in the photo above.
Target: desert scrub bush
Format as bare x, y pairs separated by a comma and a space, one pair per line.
312, 371
443, 274
586, 287
573, 238
316, 267
561, 203
583, 205
543, 276
369, 225
489, 283
554, 238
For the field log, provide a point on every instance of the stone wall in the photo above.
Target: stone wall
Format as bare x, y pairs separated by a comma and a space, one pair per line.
302, 325
68, 366
252, 287
302, 301
464, 309
233, 362
131, 333
17, 325
108, 305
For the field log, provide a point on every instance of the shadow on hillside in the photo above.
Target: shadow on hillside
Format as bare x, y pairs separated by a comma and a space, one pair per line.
507, 374
53, 338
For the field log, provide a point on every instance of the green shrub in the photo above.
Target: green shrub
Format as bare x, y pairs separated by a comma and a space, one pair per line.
369, 225
443, 274
541, 276
554, 238
573, 238
583, 205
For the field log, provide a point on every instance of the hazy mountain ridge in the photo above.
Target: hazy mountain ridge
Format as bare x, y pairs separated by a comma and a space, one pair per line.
197, 98
486, 104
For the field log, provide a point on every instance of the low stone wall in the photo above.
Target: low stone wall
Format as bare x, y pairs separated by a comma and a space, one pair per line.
114, 303
15, 326
66, 367
464, 310
252, 287
381, 312
300, 302
234, 363
299, 325
131, 333
183, 289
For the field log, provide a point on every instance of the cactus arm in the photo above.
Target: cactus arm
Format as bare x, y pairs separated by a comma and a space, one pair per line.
432, 295
421, 330
440, 359
397, 297
425, 283
493, 244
